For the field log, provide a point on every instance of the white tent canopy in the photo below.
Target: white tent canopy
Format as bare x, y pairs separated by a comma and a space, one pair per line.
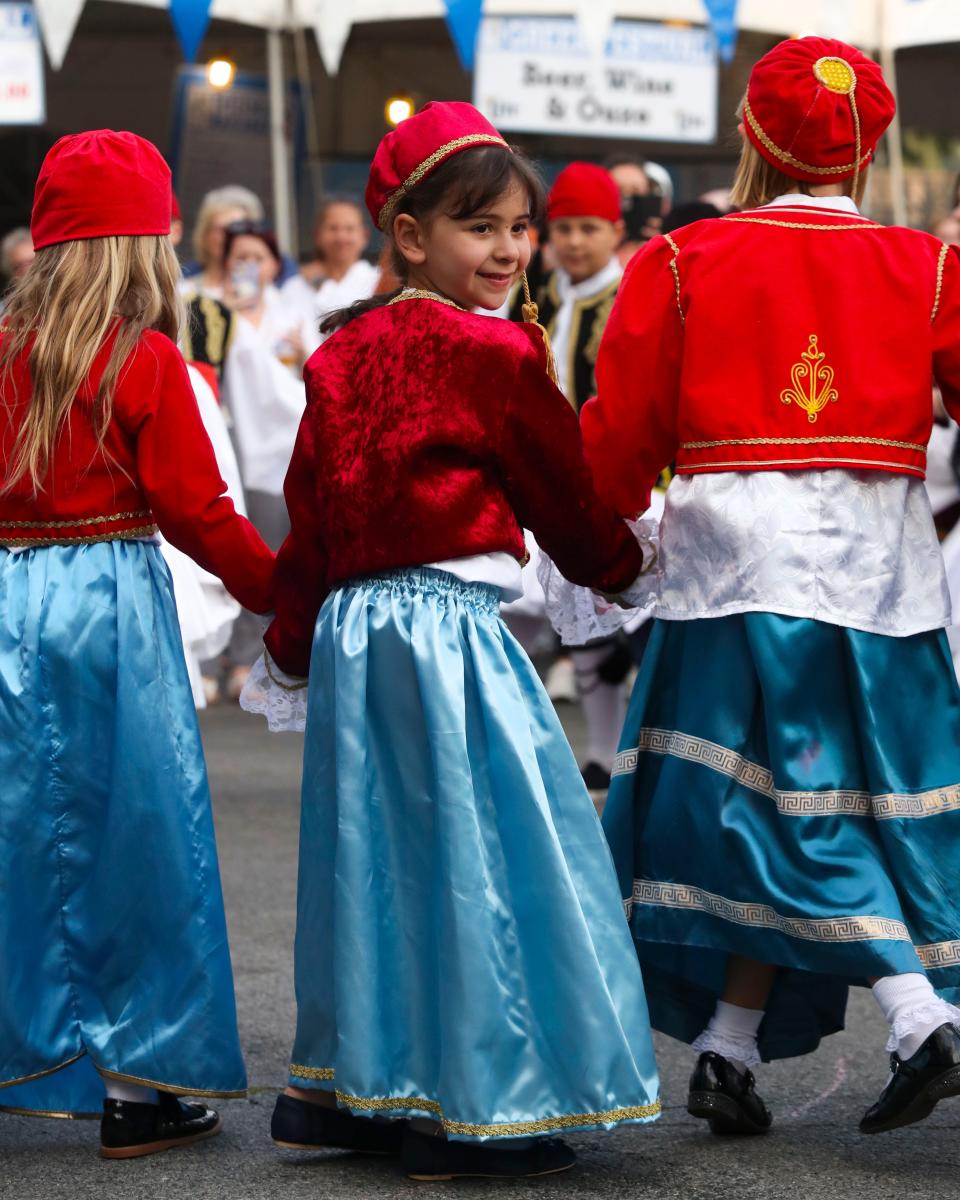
866, 23
881, 26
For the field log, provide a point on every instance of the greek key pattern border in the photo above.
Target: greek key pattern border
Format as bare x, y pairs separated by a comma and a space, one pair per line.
811, 929
939, 954
889, 806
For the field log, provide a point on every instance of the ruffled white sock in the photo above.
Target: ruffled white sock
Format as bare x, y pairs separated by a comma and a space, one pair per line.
913, 1010
133, 1093
732, 1032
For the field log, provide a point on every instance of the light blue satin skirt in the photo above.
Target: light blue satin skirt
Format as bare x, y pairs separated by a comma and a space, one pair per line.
113, 944
462, 952
789, 791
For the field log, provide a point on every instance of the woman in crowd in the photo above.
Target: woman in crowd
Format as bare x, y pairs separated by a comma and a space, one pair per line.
338, 274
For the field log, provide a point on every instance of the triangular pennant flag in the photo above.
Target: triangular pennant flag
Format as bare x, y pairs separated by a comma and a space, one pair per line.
332, 22
463, 21
190, 20
58, 19
595, 20
723, 22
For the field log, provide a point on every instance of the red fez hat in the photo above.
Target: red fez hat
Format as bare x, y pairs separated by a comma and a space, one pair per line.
816, 108
100, 184
584, 190
418, 146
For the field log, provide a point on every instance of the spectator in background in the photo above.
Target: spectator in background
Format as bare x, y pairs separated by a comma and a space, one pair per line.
252, 263
338, 274
218, 209
719, 198
641, 200
176, 221
264, 394
948, 229
16, 254
575, 300
686, 214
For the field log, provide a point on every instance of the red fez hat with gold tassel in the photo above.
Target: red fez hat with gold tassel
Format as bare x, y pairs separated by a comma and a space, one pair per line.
815, 109
418, 145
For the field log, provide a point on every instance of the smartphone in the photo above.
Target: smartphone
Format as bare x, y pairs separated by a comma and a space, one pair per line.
637, 211
245, 284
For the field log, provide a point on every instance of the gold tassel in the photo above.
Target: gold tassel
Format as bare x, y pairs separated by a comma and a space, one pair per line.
531, 315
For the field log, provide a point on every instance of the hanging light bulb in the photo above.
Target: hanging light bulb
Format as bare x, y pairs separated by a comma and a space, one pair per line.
397, 109
220, 73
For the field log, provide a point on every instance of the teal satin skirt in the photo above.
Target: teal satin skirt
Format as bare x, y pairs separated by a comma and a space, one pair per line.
789, 791
113, 944
462, 952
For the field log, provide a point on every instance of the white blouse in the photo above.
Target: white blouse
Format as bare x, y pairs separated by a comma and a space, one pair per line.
855, 548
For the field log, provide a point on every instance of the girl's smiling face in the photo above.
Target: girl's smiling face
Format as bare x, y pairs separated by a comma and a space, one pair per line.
473, 260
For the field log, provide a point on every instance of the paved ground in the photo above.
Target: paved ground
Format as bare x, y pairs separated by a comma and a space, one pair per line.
814, 1151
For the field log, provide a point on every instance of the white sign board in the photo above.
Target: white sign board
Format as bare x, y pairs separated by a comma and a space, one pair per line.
651, 81
21, 67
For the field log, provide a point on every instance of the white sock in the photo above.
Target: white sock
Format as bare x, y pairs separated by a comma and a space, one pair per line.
732, 1032
604, 706
913, 1010
133, 1093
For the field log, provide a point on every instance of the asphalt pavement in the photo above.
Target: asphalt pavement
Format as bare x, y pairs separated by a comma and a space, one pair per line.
814, 1150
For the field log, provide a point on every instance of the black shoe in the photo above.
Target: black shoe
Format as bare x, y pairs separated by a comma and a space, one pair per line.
918, 1083
129, 1130
300, 1125
727, 1098
434, 1159
595, 777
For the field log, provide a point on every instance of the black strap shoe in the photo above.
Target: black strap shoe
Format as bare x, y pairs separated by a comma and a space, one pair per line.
129, 1130
300, 1125
434, 1159
918, 1083
726, 1098
595, 777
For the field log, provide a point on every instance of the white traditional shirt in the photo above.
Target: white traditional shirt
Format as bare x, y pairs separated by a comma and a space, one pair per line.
854, 548
569, 293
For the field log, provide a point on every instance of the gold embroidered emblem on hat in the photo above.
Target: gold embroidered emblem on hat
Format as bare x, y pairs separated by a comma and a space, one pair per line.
812, 382
835, 74
838, 76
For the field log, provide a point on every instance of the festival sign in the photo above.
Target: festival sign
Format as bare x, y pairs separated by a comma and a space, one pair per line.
21, 67
650, 82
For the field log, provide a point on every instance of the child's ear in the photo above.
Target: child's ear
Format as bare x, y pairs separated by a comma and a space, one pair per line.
409, 239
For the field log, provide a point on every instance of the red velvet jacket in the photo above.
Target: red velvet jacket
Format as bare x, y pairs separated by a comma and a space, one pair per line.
777, 339
157, 468
431, 434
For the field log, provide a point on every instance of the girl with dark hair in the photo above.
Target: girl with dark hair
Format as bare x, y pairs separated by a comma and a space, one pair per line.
462, 957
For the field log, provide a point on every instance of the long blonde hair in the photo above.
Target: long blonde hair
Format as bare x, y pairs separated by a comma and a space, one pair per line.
757, 181
74, 295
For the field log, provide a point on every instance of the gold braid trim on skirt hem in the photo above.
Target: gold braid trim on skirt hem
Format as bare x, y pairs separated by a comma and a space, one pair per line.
375, 1104
175, 1088
57, 1116
40, 1074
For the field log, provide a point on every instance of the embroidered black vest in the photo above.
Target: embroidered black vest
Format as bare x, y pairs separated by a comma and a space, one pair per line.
590, 315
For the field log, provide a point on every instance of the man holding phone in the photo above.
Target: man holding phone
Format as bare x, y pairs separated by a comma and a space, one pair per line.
643, 202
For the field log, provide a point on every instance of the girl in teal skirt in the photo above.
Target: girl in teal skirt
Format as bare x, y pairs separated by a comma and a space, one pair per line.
785, 808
